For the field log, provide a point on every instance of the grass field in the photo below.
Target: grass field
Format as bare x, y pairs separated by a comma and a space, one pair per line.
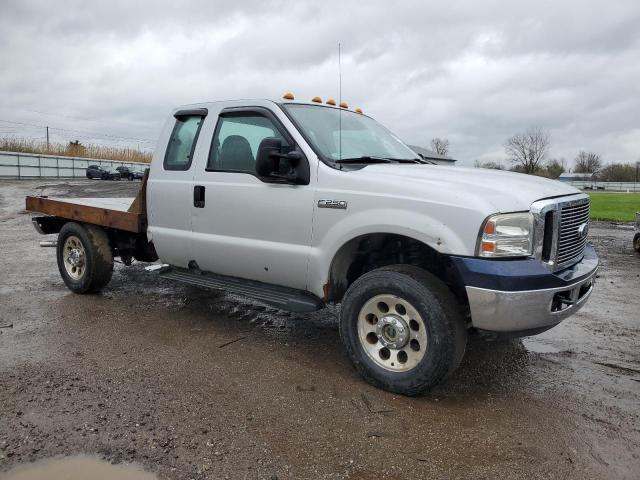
614, 206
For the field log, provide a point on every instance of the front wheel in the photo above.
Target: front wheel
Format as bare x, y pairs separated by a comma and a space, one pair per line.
636, 242
402, 329
85, 259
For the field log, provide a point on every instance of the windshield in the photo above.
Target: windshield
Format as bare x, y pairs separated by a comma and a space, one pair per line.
341, 134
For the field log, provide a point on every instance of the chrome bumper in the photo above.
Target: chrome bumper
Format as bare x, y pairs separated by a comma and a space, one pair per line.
515, 311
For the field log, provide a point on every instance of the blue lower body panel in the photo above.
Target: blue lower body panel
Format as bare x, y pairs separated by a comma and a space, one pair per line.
521, 295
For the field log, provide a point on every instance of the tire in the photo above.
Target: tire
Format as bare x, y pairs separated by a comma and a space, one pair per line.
85, 259
636, 242
438, 328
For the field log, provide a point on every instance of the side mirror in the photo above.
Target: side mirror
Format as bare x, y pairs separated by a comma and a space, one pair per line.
266, 159
272, 165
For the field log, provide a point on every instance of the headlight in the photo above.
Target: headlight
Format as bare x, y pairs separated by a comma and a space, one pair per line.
507, 235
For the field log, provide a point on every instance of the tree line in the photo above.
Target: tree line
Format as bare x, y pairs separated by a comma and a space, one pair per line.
528, 152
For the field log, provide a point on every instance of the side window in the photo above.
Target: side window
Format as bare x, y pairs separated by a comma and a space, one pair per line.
236, 141
182, 142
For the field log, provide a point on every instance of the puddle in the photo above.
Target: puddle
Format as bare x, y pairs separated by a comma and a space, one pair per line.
80, 467
539, 347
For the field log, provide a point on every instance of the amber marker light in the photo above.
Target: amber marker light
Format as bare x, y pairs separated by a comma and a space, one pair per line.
358, 110
490, 228
488, 247
288, 96
331, 101
316, 99
344, 105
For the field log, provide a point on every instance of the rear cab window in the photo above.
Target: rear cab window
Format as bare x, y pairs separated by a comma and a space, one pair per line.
182, 142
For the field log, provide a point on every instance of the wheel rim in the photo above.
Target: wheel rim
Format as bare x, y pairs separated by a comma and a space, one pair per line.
74, 257
392, 333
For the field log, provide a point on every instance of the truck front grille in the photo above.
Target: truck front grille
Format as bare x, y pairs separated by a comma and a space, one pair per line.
572, 232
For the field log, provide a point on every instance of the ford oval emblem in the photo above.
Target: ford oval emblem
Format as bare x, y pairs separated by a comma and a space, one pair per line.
583, 230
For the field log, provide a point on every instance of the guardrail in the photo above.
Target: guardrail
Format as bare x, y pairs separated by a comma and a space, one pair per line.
607, 186
29, 165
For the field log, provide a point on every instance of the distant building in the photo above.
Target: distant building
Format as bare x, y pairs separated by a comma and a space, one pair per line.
433, 156
576, 177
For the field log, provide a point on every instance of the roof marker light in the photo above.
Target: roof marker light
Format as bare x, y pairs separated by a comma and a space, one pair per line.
316, 99
344, 105
288, 96
358, 110
331, 101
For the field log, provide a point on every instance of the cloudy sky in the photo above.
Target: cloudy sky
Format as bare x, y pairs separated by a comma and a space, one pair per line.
474, 72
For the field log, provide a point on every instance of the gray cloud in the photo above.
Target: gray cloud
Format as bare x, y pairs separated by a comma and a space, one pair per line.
476, 72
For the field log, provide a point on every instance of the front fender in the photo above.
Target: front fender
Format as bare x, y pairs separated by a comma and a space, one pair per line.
333, 231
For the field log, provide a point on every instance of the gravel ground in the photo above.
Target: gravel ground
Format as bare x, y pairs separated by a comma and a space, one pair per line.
196, 384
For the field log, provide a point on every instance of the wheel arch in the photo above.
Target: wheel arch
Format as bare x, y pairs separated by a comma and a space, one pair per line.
369, 251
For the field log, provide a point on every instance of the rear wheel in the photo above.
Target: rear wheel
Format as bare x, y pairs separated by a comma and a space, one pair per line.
402, 329
636, 242
85, 260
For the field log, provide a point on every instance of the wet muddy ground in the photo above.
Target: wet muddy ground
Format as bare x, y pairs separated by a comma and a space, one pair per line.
195, 384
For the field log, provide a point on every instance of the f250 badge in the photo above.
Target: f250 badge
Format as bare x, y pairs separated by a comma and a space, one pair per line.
339, 204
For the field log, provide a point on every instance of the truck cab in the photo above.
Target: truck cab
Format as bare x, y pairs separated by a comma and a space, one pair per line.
303, 204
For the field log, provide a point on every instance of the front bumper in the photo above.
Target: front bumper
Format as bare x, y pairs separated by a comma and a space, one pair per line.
521, 295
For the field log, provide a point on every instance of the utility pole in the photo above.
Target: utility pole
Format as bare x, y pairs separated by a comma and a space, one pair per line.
47, 139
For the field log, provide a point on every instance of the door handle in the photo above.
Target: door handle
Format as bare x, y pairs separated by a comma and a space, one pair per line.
198, 196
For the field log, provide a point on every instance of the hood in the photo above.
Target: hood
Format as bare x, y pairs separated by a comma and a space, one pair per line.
503, 191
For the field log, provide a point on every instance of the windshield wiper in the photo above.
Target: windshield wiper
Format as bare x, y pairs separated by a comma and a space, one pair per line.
365, 159
372, 159
411, 160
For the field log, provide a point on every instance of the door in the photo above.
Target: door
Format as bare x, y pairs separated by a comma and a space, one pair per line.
169, 189
242, 226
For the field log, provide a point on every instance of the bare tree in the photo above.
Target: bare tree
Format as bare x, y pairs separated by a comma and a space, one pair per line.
440, 146
528, 150
588, 162
619, 172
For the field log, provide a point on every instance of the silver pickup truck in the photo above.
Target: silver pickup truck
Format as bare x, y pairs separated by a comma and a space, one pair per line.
304, 204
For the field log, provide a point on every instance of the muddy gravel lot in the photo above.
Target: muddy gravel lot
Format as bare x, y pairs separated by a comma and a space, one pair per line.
194, 384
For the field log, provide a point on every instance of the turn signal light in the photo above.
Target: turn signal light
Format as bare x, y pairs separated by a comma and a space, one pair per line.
288, 96
490, 228
488, 247
331, 101
316, 100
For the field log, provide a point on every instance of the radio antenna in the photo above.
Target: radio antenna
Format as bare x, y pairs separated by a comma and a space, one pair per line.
340, 99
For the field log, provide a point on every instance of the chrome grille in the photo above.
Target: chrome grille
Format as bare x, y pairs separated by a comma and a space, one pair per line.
572, 235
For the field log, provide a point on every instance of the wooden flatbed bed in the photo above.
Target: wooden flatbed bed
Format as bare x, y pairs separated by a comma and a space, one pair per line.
127, 214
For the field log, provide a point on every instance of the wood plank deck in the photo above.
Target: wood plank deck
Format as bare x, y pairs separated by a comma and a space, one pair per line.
106, 212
